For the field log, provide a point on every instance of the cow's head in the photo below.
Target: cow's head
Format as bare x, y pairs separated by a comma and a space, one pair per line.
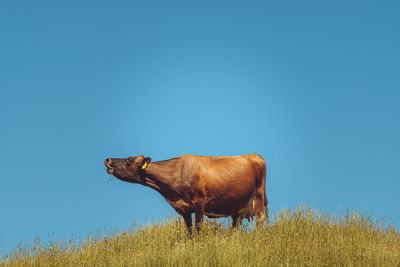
129, 169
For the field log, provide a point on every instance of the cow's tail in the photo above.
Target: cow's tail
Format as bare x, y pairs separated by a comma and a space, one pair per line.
266, 205
265, 197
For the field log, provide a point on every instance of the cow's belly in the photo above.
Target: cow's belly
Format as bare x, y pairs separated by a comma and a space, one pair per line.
245, 211
215, 215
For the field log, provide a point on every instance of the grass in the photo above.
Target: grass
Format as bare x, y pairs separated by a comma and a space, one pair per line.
300, 237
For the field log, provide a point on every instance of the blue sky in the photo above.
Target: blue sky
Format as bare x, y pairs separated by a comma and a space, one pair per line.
314, 87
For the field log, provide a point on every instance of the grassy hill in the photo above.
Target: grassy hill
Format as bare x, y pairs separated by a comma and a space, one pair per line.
300, 237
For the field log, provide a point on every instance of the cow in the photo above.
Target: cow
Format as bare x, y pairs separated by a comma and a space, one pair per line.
212, 186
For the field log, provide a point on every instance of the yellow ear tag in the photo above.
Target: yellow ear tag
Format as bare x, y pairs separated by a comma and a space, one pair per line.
144, 166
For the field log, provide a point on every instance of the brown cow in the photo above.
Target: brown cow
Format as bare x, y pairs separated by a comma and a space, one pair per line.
214, 186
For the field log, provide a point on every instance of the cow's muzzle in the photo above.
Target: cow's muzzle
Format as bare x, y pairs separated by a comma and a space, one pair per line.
110, 170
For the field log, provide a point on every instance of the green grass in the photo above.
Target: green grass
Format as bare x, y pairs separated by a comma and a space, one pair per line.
300, 237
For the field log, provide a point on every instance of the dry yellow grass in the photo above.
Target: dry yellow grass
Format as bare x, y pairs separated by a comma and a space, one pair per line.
300, 237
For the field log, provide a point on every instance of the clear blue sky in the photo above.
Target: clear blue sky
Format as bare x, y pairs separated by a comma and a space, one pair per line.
312, 86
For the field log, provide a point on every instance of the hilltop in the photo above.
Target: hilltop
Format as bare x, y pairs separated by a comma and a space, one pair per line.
300, 237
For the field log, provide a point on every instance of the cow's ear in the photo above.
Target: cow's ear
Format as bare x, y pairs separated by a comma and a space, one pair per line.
145, 163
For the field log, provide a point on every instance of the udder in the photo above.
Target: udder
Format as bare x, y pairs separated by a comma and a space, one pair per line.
248, 211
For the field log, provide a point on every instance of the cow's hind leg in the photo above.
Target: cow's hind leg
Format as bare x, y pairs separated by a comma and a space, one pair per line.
198, 212
259, 205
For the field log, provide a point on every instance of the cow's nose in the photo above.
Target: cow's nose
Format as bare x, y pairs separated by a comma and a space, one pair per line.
108, 162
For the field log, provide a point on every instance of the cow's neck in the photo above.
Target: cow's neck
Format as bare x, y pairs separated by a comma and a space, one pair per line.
162, 177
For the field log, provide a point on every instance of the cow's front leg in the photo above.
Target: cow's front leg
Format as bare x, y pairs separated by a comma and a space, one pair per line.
235, 220
188, 221
198, 212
